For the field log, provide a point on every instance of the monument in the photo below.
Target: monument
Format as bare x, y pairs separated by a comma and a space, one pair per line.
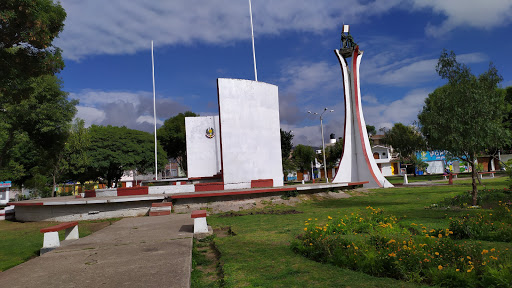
242, 146
357, 162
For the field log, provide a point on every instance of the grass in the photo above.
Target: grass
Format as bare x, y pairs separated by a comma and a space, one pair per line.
19, 242
260, 255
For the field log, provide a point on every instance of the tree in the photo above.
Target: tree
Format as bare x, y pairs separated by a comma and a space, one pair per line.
114, 150
465, 116
303, 156
405, 140
286, 143
34, 111
76, 161
333, 154
173, 139
286, 149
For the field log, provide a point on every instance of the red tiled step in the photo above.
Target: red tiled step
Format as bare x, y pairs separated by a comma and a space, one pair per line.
159, 213
163, 204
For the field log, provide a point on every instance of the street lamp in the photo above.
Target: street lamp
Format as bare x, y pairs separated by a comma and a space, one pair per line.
323, 144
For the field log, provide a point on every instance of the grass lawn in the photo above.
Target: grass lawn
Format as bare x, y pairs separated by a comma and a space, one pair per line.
259, 254
20, 242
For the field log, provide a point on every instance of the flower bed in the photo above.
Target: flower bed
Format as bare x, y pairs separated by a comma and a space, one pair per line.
380, 245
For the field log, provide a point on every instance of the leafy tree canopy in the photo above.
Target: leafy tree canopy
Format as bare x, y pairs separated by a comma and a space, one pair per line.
405, 140
333, 153
465, 116
34, 111
303, 156
173, 139
116, 149
286, 149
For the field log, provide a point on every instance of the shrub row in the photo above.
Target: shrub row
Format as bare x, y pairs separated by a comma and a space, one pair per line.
379, 245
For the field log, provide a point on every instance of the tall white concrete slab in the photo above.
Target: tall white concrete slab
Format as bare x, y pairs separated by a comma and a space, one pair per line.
357, 163
203, 147
250, 135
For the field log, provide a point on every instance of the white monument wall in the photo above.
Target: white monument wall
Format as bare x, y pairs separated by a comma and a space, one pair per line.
250, 135
203, 153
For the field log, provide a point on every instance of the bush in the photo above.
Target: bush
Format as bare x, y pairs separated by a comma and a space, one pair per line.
485, 197
378, 245
493, 226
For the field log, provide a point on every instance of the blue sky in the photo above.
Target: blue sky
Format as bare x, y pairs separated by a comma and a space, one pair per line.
107, 51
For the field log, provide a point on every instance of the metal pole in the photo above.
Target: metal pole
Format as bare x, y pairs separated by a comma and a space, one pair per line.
323, 149
154, 107
253, 50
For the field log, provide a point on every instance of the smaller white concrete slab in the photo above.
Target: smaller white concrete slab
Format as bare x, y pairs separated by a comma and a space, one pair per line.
200, 225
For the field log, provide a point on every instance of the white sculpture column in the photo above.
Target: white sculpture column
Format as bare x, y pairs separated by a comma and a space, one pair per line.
357, 163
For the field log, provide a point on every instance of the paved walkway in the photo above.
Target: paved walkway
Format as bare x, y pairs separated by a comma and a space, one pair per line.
133, 252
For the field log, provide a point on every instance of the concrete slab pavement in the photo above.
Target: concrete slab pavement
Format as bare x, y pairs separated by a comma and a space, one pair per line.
133, 252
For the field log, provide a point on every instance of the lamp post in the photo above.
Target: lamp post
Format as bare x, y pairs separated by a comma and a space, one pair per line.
323, 142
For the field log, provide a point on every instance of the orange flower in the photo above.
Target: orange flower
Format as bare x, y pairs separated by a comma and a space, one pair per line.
440, 267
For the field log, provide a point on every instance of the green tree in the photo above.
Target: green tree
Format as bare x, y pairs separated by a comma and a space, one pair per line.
286, 149
173, 139
303, 156
465, 116
34, 111
333, 153
76, 160
113, 150
405, 140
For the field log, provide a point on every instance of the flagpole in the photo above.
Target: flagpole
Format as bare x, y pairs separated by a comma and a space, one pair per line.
154, 107
253, 50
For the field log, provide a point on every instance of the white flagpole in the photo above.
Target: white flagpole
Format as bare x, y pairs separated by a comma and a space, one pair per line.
154, 107
253, 50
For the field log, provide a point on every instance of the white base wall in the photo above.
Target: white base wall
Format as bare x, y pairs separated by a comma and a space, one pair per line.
171, 189
64, 213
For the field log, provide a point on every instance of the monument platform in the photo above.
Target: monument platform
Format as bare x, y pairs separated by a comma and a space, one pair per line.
69, 208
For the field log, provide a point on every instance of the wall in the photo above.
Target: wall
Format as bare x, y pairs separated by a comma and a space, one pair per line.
250, 136
203, 153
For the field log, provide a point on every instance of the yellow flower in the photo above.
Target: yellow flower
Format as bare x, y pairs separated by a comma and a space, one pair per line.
485, 251
306, 229
457, 270
437, 253
329, 217
391, 241
440, 235
492, 250
440, 267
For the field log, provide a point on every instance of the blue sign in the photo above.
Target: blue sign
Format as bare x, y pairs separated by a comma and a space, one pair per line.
431, 155
5, 184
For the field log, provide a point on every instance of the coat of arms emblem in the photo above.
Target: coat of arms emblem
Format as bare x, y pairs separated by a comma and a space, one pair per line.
210, 133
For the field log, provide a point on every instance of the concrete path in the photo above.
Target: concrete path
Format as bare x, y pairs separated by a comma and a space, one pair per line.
133, 252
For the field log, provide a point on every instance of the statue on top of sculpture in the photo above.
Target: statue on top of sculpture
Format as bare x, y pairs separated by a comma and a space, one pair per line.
347, 44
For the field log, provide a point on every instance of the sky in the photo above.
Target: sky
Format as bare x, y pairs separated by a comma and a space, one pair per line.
107, 51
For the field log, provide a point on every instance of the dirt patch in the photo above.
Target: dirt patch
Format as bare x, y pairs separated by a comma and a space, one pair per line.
207, 258
223, 232
263, 212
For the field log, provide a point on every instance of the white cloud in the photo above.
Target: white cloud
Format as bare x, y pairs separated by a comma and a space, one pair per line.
404, 110
310, 76
97, 27
149, 119
123, 108
90, 115
466, 13
370, 99
409, 71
